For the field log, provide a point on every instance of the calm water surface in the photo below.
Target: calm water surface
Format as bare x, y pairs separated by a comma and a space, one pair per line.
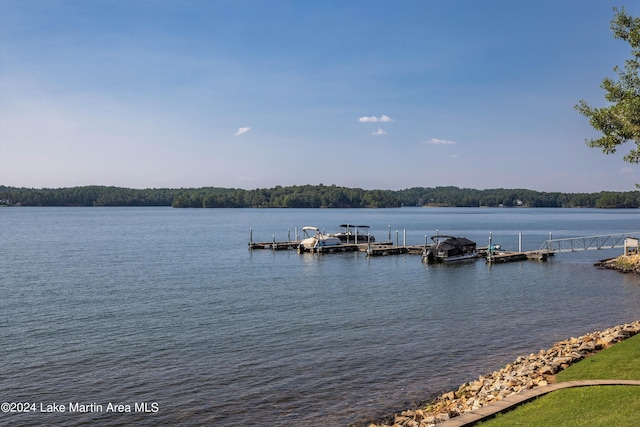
168, 307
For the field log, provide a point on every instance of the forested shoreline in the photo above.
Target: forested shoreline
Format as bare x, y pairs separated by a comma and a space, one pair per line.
311, 196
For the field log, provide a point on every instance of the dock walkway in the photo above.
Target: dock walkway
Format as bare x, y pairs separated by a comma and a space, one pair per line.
502, 257
276, 246
373, 249
389, 249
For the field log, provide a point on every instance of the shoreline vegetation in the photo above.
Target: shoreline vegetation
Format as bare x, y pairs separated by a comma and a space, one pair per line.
311, 196
525, 373
623, 263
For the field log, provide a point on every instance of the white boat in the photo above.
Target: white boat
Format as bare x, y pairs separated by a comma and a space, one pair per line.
315, 238
450, 249
354, 234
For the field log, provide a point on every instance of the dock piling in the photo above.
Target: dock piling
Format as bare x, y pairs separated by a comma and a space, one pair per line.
490, 248
519, 242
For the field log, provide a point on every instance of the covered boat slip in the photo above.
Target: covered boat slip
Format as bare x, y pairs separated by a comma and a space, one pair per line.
354, 234
450, 249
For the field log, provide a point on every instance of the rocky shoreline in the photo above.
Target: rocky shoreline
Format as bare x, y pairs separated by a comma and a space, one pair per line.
535, 370
623, 263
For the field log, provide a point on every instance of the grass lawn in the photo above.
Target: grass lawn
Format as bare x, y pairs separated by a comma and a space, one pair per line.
619, 362
593, 406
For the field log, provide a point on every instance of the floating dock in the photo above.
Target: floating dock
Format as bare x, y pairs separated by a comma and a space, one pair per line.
502, 257
496, 256
373, 249
351, 247
388, 248
370, 248
276, 246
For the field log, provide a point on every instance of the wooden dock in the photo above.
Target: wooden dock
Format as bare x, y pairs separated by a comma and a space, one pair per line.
275, 246
351, 247
502, 257
376, 248
388, 248
373, 249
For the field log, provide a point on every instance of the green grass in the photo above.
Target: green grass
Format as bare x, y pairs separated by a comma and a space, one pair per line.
593, 406
619, 362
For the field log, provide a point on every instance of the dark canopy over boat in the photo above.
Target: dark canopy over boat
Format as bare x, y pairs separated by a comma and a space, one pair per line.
351, 231
449, 248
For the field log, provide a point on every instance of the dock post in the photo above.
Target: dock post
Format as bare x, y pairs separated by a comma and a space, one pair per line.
288, 235
396, 237
519, 242
490, 249
250, 236
404, 237
389, 239
273, 245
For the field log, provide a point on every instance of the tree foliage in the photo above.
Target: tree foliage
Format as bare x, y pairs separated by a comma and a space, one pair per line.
620, 121
311, 196
88, 196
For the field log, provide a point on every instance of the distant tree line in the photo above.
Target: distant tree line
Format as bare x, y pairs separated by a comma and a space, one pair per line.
88, 196
311, 196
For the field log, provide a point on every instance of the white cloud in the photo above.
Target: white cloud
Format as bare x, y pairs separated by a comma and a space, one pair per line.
373, 119
242, 130
380, 132
437, 141
627, 171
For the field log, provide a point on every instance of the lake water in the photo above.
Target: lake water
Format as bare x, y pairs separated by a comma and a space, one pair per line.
167, 311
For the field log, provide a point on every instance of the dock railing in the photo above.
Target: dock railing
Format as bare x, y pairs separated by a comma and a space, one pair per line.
572, 244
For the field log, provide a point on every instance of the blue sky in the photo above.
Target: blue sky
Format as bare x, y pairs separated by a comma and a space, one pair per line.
253, 94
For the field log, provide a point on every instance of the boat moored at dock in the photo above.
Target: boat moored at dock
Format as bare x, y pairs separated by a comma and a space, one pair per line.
354, 234
450, 249
314, 238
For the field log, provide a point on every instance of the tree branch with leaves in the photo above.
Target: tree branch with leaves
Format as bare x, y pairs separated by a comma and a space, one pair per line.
620, 121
